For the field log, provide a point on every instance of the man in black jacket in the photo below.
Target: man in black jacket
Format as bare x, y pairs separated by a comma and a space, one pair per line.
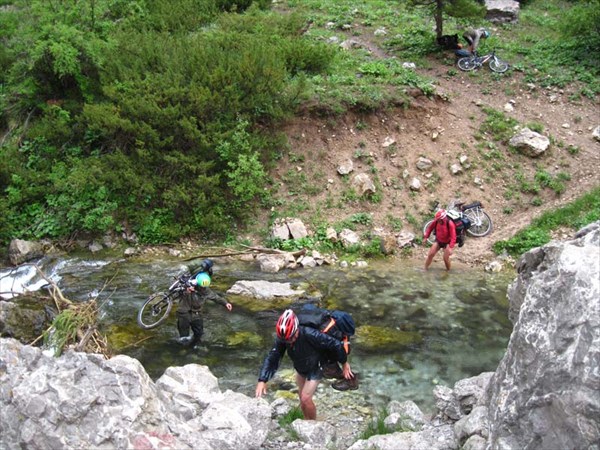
307, 348
191, 305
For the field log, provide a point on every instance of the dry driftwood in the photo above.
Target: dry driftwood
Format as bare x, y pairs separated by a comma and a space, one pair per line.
251, 250
84, 316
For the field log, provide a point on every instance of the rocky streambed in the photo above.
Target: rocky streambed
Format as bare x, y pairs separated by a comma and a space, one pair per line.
543, 392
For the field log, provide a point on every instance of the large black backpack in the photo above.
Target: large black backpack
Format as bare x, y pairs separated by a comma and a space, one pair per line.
461, 224
337, 324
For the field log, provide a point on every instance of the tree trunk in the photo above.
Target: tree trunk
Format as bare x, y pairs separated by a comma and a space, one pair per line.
439, 19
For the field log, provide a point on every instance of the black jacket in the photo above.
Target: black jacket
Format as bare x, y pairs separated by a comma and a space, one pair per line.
194, 302
306, 353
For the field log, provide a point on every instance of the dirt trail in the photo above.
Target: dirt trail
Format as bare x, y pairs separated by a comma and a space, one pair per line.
443, 129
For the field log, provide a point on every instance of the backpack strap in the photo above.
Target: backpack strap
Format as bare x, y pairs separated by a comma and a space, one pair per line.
329, 326
346, 344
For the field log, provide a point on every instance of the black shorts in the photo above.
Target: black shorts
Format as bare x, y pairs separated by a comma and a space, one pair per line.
442, 244
316, 374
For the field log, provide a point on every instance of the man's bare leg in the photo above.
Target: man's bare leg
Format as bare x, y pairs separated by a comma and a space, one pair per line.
447, 253
306, 390
432, 251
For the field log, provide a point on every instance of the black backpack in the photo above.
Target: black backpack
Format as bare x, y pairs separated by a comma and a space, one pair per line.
337, 324
461, 224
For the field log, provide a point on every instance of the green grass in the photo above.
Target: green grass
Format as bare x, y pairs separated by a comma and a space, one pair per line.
290, 416
376, 426
577, 214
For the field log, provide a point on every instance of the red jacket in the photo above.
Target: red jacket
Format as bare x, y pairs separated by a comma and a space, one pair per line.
445, 231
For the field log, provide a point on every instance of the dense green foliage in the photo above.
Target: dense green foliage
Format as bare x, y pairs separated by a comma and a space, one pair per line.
581, 212
157, 117
148, 115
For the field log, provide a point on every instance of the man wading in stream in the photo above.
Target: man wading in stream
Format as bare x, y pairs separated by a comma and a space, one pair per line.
307, 347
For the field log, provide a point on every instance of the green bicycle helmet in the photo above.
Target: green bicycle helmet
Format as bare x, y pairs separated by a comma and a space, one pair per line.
203, 279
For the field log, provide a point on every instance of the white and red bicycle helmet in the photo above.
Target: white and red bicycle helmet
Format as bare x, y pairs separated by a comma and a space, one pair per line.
441, 214
287, 325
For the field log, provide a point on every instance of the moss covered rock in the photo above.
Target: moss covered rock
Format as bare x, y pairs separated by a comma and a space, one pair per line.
373, 337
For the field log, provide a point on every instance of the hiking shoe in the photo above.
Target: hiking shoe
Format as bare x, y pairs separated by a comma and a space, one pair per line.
346, 385
333, 371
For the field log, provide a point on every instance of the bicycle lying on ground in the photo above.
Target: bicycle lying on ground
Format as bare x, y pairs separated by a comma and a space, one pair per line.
475, 61
480, 222
157, 307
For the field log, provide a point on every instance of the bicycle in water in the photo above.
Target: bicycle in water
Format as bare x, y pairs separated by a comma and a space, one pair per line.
475, 61
157, 307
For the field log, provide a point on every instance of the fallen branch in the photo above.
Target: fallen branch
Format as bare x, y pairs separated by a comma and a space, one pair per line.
276, 251
138, 342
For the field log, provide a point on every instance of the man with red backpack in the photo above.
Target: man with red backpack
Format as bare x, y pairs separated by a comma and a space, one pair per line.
445, 237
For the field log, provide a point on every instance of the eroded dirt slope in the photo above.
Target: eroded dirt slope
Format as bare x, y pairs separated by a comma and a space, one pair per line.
442, 129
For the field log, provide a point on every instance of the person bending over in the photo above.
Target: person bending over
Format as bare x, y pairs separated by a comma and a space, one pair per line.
307, 348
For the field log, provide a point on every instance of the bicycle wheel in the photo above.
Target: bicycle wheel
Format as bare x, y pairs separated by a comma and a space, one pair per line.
155, 310
481, 223
497, 65
431, 238
467, 63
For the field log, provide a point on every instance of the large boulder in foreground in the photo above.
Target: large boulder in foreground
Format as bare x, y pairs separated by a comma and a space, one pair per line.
83, 401
545, 393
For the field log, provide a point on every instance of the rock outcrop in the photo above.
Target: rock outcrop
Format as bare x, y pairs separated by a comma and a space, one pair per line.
81, 400
546, 390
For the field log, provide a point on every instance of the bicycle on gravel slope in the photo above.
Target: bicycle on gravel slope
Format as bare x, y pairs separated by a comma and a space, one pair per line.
475, 61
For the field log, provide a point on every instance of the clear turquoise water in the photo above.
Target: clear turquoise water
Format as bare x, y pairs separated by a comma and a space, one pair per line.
461, 316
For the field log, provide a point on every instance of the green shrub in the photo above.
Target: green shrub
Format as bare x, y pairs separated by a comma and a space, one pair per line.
581, 212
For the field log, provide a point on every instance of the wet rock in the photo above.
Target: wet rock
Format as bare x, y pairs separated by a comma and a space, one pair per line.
20, 251
25, 317
373, 337
273, 263
261, 289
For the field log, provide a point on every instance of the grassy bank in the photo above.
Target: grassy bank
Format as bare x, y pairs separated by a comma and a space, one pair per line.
575, 215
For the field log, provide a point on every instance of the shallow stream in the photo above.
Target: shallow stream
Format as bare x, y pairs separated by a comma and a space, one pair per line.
458, 320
